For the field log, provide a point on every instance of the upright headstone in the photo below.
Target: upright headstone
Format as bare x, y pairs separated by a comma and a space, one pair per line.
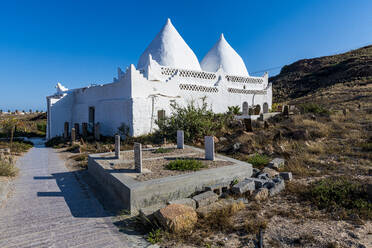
286, 110
209, 147
65, 133
97, 135
180, 139
84, 128
138, 157
250, 111
77, 130
248, 125
265, 108
117, 146
73, 134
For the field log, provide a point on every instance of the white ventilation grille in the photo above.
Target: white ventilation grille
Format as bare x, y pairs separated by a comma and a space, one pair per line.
241, 91
237, 79
195, 87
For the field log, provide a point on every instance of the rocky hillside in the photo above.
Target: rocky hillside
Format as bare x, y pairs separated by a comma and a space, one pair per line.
309, 75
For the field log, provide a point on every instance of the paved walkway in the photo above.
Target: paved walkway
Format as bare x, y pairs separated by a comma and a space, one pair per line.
51, 207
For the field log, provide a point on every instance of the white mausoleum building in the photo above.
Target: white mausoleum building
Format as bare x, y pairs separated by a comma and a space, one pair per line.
167, 71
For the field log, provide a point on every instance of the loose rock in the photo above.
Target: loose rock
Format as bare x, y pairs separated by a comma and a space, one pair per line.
286, 175
276, 163
244, 186
205, 198
177, 217
270, 172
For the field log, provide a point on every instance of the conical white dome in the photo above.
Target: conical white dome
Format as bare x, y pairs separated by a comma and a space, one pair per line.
223, 55
169, 49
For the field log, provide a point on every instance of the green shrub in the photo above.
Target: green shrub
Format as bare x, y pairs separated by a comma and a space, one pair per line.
41, 127
185, 165
154, 236
313, 108
196, 121
163, 150
340, 193
7, 169
258, 160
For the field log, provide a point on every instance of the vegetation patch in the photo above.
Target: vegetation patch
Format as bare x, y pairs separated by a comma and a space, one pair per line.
314, 109
185, 165
258, 160
7, 169
163, 150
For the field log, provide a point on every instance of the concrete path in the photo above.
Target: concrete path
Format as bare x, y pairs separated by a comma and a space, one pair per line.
51, 207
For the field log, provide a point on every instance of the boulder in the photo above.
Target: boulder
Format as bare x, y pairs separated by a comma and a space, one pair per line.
261, 194
177, 217
270, 172
286, 175
275, 187
184, 201
276, 163
205, 198
243, 186
259, 183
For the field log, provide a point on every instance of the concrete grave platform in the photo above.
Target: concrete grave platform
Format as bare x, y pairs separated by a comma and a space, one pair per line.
134, 195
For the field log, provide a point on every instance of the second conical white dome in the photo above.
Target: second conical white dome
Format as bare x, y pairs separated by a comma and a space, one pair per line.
169, 49
223, 55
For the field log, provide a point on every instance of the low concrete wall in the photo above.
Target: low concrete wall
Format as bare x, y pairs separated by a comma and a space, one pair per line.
135, 195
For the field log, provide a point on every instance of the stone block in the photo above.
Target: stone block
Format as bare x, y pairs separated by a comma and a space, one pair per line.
205, 198
270, 172
184, 201
97, 134
264, 176
259, 183
276, 163
138, 157
286, 175
117, 146
244, 186
77, 130
255, 172
218, 188
180, 139
275, 188
209, 147
176, 217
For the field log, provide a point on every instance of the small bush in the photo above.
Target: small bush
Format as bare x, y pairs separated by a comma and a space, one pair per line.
154, 236
41, 127
185, 165
163, 150
313, 108
7, 169
258, 160
340, 193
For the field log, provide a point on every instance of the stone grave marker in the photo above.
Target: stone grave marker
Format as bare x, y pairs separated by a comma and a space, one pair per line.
117, 146
248, 124
77, 130
286, 110
138, 157
180, 139
209, 147
73, 134
97, 135
65, 133
265, 108
84, 128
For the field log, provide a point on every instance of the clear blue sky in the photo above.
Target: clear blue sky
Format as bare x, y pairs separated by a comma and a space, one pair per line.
83, 42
